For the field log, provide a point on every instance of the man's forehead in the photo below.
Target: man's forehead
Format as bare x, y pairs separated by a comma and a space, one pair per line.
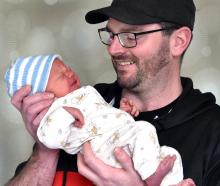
117, 26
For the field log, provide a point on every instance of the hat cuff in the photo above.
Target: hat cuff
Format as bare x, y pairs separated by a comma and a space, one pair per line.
49, 69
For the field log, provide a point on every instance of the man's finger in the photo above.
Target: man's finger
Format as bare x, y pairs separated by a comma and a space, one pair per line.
84, 169
94, 163
123, 158
19, 95
33, 110
36, 99
39, 117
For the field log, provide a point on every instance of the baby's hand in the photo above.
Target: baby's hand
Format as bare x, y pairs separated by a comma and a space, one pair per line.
187, 182
128, 106
76, 113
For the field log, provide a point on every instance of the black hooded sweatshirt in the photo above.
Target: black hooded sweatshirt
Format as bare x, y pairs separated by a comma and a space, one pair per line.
191, 124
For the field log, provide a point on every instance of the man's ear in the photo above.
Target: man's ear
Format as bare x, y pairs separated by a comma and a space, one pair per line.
180, 40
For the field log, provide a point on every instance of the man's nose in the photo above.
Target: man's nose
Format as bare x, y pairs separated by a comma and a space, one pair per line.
115, 47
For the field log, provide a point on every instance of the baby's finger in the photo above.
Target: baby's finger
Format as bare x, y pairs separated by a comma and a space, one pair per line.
131, 103
133, 110
136, 113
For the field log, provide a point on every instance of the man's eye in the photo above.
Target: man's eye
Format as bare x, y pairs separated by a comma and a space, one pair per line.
129, 37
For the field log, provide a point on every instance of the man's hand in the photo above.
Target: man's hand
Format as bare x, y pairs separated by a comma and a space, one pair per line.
104, 175
32, 108
41, 166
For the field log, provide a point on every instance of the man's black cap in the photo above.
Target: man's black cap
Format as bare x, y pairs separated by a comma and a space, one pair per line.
140, 12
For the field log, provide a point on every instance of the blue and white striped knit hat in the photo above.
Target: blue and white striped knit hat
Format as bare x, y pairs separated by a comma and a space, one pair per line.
32, 70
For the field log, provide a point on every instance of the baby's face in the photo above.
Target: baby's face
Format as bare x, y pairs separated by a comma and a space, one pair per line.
62, 79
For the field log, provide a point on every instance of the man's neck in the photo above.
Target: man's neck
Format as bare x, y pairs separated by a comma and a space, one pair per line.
154, 96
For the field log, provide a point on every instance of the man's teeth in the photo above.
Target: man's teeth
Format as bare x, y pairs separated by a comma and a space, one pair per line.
125, 63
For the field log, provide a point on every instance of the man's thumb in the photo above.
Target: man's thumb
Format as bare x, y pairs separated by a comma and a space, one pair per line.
123, 158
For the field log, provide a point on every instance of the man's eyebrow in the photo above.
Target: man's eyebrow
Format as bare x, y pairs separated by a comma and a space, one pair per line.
107, 28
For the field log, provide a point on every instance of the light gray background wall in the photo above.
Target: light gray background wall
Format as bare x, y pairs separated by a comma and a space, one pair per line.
29, 27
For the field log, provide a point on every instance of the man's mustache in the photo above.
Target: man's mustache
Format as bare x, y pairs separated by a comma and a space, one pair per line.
122, 58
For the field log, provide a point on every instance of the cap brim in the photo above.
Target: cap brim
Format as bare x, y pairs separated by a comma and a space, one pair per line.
97, 16
124, 15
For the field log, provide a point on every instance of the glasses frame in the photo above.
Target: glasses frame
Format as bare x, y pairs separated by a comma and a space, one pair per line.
134, 33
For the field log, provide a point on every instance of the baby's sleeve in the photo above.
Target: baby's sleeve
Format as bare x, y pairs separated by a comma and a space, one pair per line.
54, 129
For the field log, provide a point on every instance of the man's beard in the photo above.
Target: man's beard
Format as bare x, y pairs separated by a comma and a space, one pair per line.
146, 71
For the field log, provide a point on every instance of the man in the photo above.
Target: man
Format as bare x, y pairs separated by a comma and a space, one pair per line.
146, 40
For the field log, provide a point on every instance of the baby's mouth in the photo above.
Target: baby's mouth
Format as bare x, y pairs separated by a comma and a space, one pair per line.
73, 82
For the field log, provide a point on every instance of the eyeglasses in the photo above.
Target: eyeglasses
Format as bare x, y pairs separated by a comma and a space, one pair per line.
126, 39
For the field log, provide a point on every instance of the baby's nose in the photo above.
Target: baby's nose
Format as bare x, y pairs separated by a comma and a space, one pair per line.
69, 73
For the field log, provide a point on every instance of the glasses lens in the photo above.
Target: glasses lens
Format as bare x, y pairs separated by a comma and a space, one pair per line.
105, 36
127, 39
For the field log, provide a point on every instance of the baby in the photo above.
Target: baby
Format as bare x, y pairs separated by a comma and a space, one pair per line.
81, 114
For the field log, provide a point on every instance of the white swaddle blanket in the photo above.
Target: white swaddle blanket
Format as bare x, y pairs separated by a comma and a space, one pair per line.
106, 127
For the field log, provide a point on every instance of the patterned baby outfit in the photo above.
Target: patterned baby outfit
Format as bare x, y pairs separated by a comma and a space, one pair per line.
106, 127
